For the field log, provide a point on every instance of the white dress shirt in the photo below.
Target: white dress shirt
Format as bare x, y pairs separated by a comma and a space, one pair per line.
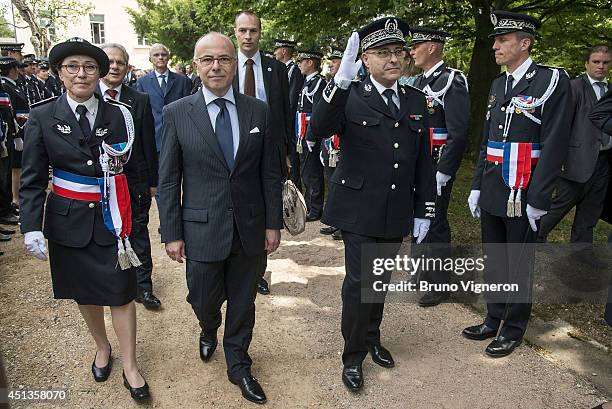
520, 71
260, 89
104, 87
433, 69
213, 111
596, 87
159, 78
92, 108
381, 88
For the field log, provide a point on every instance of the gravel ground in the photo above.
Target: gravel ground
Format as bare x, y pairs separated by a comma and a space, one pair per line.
296, 345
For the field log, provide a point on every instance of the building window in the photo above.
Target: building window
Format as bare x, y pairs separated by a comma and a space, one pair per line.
96, 21
142, 40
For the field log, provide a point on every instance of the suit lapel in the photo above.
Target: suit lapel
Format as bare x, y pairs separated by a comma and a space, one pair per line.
373, 98
245, 112
266, 73
404, 104
155, 84
171, 79
201, 119
589, 89
65, 120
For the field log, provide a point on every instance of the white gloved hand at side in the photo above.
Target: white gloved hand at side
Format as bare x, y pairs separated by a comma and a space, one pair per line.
473, 203
420, 228
18, 144
348, 66
310, 145
441, 181
35, 244
534, 214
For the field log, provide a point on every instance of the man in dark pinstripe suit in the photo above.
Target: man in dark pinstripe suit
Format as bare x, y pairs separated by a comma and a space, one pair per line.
218, 147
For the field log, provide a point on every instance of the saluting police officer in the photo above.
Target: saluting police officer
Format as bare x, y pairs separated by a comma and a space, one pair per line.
283, 52
448, 107
524, 145
383, 185
309, 63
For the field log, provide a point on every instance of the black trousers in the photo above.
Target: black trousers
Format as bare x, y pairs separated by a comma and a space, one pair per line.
510, 256
314, 181
439, 237
139, 238
294, 160
233, 280
361, 321
587, 197
6, 183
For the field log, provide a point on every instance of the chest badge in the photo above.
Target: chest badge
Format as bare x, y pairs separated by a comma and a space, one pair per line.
100, 132
530, 75
367, 88
65, 129
491, 100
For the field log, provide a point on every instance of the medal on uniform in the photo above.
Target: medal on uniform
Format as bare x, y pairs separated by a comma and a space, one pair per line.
491, 100
333, 158
517, 110
430, 105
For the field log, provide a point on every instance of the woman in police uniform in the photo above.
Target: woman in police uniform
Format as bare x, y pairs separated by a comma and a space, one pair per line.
87, 258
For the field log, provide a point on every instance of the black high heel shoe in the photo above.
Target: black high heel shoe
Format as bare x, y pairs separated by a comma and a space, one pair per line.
138, 394
102, 374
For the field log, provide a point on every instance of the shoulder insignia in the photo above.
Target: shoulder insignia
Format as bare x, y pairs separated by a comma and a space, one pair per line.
118, 103
43, 102
563, 70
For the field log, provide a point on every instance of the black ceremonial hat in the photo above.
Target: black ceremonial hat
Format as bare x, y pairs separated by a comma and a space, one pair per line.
383, 31
509, 22
335, 53
315, 55
11, 46
78, 46
278, 43
8, 62
424, 34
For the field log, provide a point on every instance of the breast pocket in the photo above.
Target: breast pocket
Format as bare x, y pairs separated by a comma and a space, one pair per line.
366, 131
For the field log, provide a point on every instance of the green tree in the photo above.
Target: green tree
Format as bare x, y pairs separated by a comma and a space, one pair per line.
6, 29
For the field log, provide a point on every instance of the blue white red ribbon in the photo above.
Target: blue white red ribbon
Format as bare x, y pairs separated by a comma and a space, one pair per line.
437, 137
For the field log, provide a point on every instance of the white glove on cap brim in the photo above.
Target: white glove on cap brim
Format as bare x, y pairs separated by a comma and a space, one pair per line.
348, 66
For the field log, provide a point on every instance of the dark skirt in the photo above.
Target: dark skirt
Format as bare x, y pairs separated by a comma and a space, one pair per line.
15, 157
90, 275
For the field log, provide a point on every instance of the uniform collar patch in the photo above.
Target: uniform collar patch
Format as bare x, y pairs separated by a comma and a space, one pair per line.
63, 128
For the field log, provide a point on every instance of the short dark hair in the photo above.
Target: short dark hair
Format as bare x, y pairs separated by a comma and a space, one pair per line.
248, 13
521, 35
597, 48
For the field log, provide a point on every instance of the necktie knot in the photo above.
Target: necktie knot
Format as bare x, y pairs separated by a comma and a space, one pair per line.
389, 93
220, 103
112, 93
249, 62
602, 88
81, 110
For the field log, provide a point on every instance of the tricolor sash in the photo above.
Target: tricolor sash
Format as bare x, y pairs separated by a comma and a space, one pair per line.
517, 160
115, 203
437, 137
301, 125
5, 99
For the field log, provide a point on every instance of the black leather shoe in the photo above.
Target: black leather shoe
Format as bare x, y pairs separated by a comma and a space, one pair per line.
150, 301
312, 217
10, 219
263, 287
381, 356
251, 389
502, 346
138, 394
479, 332
5, 237
432, 298
328, 230
6, 231
102, 374
352, 377
208, 345
337, 235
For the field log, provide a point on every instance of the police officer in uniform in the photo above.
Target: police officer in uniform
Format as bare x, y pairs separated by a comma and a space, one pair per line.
283, 52
382, 189
309, 63
8, 212
31, 82
448, 107
524, 145
43, 79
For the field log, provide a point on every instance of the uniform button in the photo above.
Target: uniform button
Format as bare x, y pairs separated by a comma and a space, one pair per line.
396, 124
365, 122
231, 209
396, 145
501, 127
489, 106
343, 181
396, 166
420, 130
393, 187
92, 205
503, 109
90, 162
496, 163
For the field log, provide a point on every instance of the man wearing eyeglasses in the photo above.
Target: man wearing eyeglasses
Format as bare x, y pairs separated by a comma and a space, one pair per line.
220, 205
162, 85
382, 189
141, 170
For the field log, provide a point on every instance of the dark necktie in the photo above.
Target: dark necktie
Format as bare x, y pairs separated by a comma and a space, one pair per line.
249, 79
112, 93
602, 89
83, 121
509, 82
163, 84
388, 93
223, 130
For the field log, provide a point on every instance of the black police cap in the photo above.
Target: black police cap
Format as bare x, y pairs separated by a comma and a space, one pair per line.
78, 46
509, 22
387, 30
312, 54
424, 34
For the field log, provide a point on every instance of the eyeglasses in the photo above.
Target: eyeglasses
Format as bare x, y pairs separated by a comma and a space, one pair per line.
89, 69
224, 61
160, 55
386, 54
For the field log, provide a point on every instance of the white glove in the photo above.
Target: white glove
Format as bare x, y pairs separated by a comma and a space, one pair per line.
18, 144
534, 214
441, 180
420, 228
310, 145
348, 66
473, 203
35, 244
